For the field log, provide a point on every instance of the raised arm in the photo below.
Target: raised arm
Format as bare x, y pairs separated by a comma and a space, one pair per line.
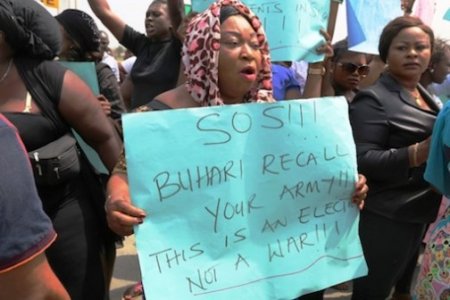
176, 13
316, 70
318, 81
334, 7
81, 109
110, 19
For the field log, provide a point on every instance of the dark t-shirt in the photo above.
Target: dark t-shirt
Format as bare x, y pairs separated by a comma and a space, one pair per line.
110, 89
25, 230
156, 68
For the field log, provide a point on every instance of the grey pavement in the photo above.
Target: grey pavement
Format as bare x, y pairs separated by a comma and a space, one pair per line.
126, 270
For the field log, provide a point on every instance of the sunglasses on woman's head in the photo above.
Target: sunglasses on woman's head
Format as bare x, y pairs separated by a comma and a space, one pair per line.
363, 70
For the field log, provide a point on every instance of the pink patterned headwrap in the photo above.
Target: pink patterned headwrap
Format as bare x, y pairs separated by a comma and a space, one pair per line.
201, 56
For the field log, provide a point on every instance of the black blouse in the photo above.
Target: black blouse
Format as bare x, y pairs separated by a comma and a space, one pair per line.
385, 121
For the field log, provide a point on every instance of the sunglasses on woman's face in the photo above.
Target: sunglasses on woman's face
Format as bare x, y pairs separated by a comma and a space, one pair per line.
349, 67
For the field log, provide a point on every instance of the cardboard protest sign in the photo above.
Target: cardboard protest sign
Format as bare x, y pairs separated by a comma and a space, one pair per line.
245, 201
292, 26
366, 20
86, 71
447, 15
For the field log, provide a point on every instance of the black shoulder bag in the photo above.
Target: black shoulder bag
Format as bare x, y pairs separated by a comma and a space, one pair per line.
56, 162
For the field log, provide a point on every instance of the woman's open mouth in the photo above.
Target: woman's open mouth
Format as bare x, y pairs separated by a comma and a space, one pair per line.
249, 73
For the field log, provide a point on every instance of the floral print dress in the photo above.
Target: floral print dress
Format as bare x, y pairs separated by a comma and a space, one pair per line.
433, 282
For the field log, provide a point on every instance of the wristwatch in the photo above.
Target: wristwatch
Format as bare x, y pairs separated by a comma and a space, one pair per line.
317, 71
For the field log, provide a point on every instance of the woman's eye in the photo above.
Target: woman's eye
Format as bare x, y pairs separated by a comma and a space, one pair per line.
421, 47
231, 43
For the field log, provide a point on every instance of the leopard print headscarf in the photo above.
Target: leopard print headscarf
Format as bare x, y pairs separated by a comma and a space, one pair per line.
200, 56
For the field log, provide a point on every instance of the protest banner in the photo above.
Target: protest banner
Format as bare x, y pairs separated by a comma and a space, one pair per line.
447, 15
366, 20
247, 201
86, 71
425, 10
292, 26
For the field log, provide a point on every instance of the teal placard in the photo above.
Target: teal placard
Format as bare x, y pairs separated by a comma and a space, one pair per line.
86, 71
292, 26
366, 20
246, 201
187, 9
447, 15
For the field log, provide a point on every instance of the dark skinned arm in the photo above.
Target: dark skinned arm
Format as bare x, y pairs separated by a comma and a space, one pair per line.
176, 14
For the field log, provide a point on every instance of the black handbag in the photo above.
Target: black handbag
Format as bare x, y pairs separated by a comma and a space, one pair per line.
45, 98
56, 162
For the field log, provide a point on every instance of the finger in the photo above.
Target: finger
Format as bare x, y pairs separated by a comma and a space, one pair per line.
122, 224
365, 189
105, 105
124, 207
117, 227
358, 199
361, 183
325, 35
120, 230
122, 219
361, 205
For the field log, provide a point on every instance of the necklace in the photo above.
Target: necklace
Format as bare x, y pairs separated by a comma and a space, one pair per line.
417, 98
8, 68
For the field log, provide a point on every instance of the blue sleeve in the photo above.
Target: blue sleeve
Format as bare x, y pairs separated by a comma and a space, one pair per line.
283, 79
25, 230
437, 172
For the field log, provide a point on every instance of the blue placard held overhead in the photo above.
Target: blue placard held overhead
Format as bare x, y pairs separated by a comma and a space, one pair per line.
245, 201
292, 26
447, 15
366, 20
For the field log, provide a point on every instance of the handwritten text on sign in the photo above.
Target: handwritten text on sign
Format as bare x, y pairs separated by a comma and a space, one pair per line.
292, 26
244, 201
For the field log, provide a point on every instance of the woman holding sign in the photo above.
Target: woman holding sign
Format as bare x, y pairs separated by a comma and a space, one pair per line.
392, 122
233, 67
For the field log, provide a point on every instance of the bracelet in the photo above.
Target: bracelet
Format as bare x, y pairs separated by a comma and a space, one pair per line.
317, 71
415, 149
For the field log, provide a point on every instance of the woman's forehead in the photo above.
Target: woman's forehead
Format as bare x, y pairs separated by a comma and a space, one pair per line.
351, 55
411, 34
156, 6
237, 24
